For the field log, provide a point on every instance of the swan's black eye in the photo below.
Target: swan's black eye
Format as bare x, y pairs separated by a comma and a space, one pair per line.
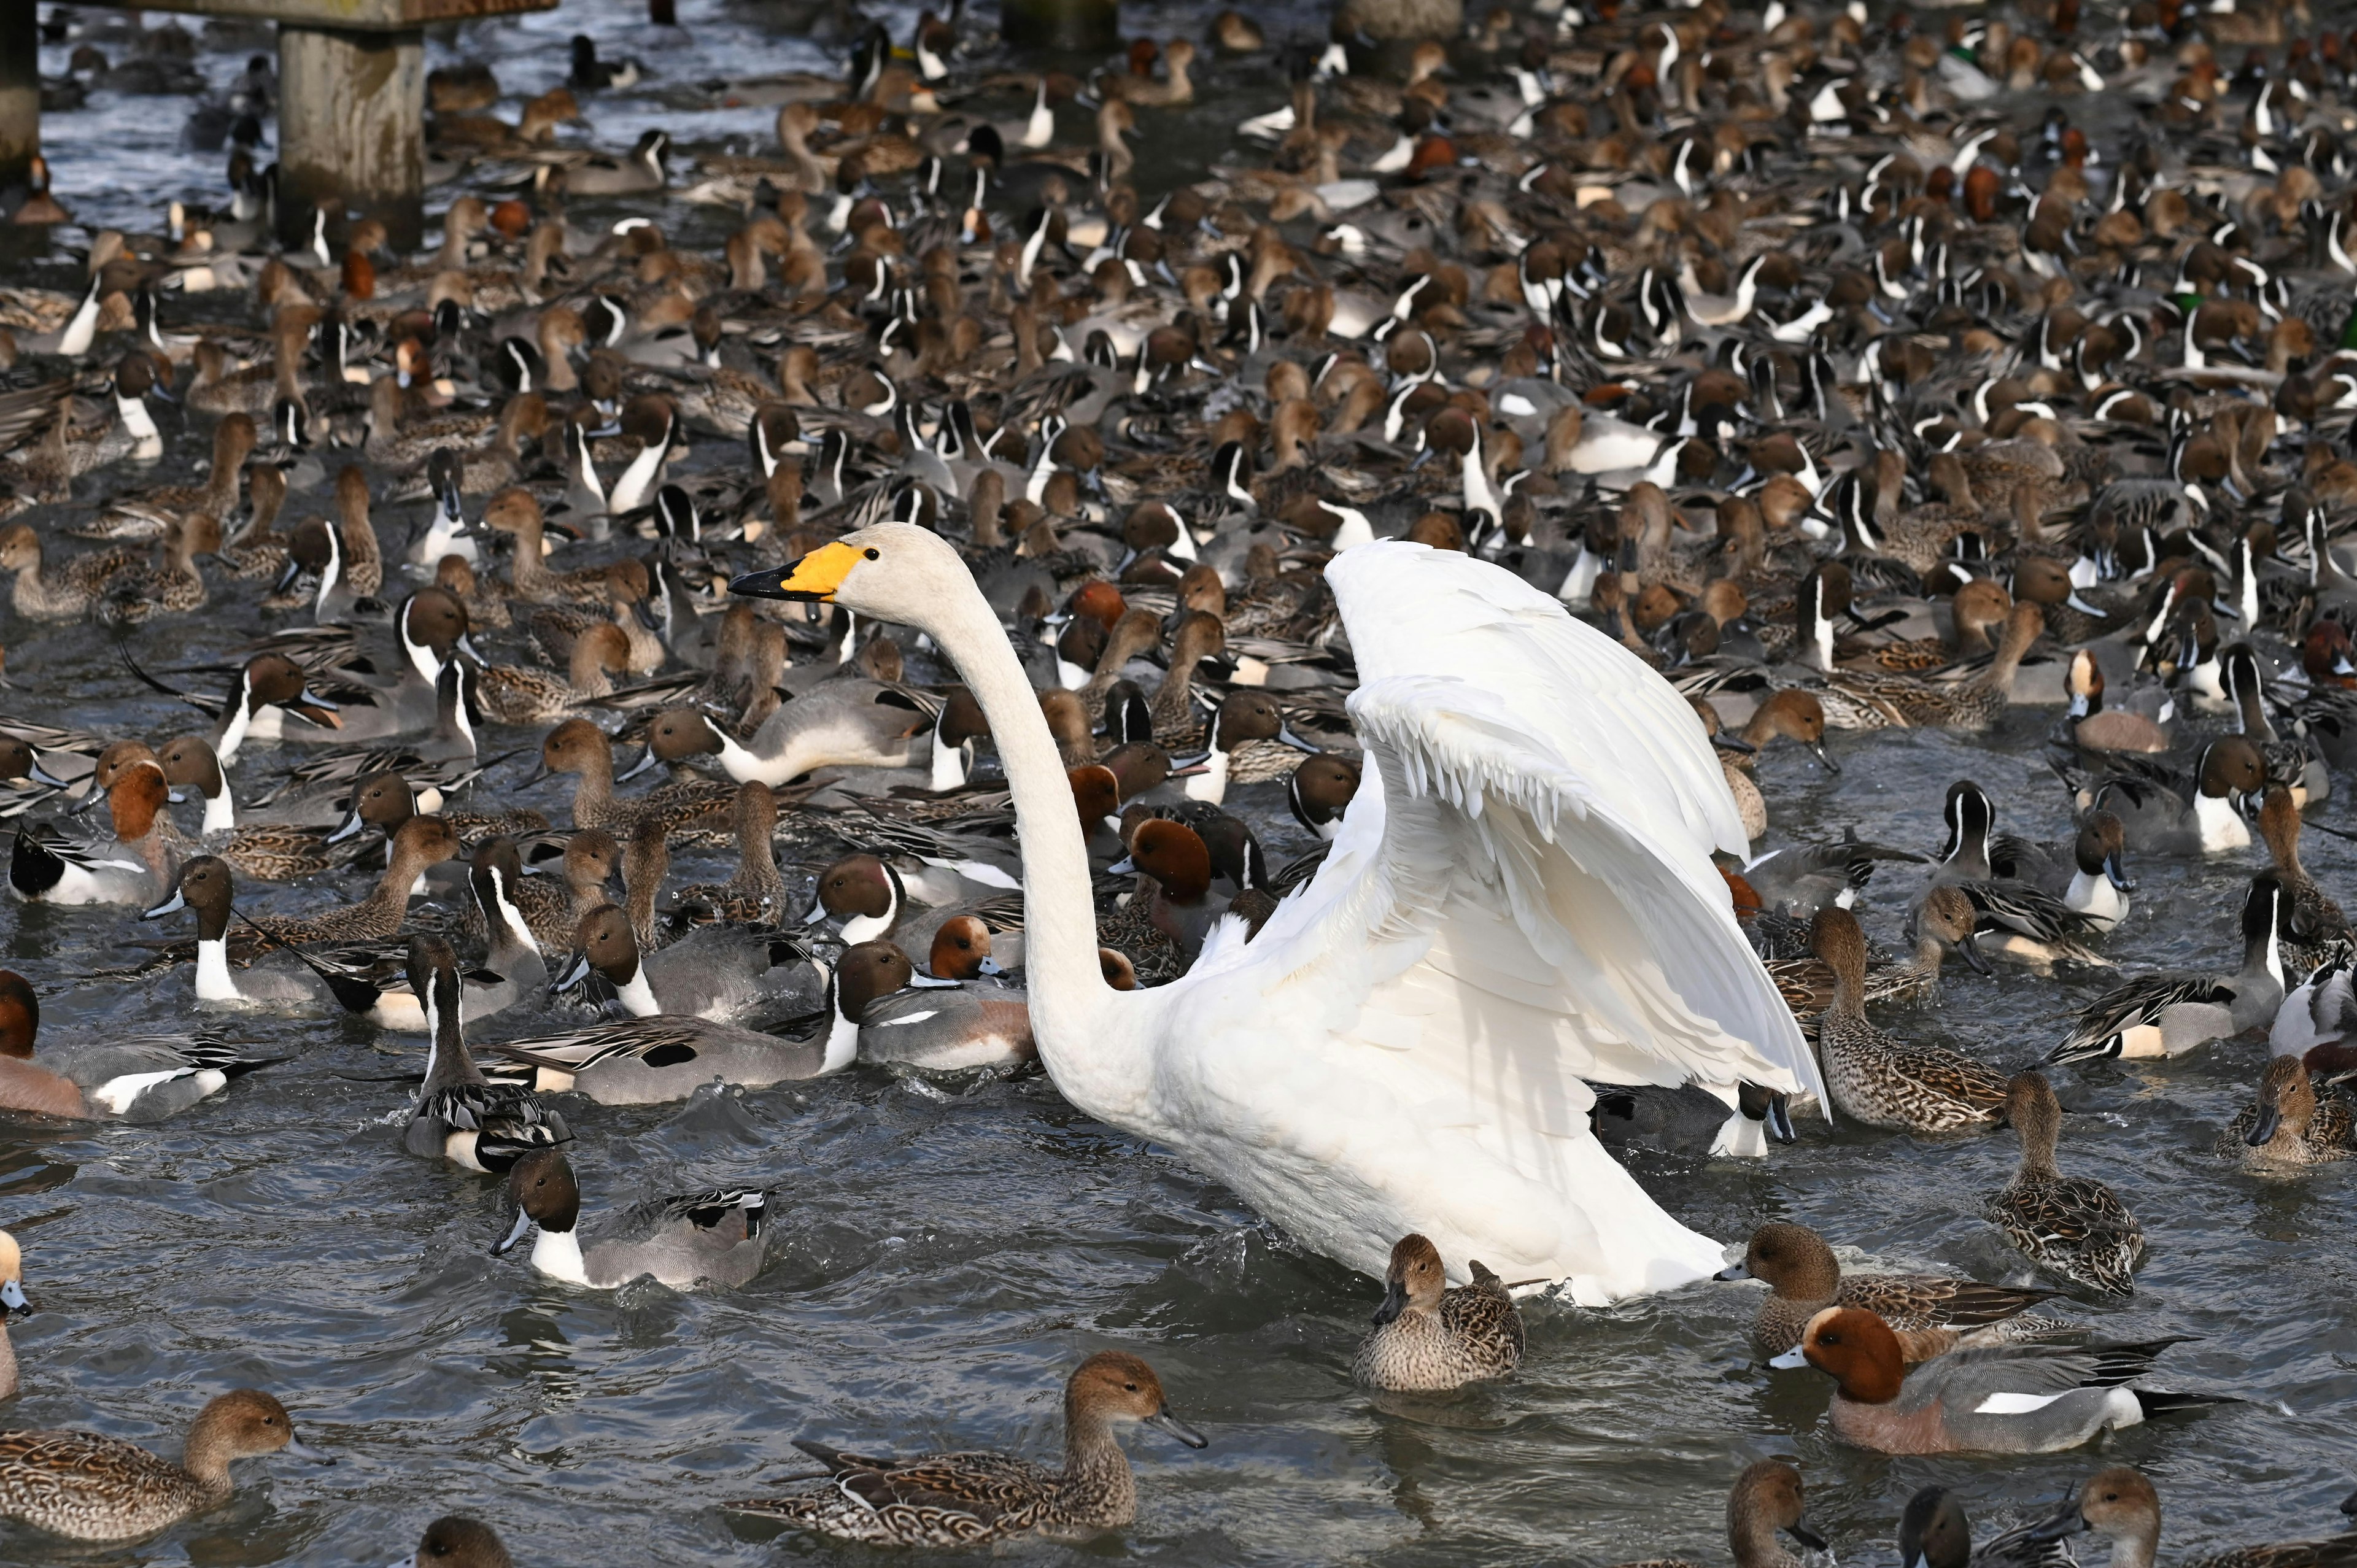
873, 555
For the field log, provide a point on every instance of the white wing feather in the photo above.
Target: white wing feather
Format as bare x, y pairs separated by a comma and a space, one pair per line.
1521, 900
1586, 789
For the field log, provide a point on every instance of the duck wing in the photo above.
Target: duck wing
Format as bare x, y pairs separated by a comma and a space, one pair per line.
2137, 1003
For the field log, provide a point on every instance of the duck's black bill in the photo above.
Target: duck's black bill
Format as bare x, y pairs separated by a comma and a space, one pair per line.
1177, 1428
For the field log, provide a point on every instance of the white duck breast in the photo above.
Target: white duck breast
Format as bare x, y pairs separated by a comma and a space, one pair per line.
1522, 897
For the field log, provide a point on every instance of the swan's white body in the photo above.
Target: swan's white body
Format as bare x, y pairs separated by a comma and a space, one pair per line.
1521, 899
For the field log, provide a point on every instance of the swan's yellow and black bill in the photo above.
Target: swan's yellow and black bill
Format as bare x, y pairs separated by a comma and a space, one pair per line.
814, 577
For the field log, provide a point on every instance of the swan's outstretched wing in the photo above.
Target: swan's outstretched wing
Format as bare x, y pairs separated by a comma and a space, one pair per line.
1537, 830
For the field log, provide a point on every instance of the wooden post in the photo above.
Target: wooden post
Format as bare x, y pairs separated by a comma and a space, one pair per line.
1089, 27
351, 128
20, 90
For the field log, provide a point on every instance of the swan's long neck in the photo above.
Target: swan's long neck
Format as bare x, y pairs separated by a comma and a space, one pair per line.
1093, 1064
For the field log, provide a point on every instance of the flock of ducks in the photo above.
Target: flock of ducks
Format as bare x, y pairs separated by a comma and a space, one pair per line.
1540, 423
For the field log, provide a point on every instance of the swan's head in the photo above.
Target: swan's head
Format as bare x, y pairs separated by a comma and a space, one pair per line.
894, 571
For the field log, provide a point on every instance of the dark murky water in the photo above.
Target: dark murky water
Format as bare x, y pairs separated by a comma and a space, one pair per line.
943, 1259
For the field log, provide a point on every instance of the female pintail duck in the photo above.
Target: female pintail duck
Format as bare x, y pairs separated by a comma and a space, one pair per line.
925, 1023
579, 746
2170, 1013
385, 798
2315, 932
2073, 1227
2088, 871
12, 1299
1429, 1339
88, 1488
717, 1238
1885, 1082
2121, 1505
453, 1541
2289, 1125
720, 972
1766, 1501
133, 867
59, 590
846, 722
461, 1116
418, 845
956, 1499
1934, 1533
267, 852
1145, 1059
2004, 1398
1901, 700
133, 1078
1804, 1278
2163, 811
756, 893
1944, 921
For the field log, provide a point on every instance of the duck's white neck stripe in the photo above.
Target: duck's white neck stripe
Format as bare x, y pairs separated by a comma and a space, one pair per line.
214, 982
557, 1254
638, 996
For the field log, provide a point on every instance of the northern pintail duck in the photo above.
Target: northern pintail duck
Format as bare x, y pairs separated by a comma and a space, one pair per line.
1886, 1082
2121, 1505
2165, 811
717, 971
2315, 932
1429, 1339
2169, 1013
266, 851
925, 1023
2006, 1399
2291, 1124
128, 1078
846, 722
2028, 923
460, 1115
1804, 1278
2073, 1227
2094, 727
1766, 1501
960, 1499
870, 896
2088, 871
133, 867
453, 1541
85, 1486
1691, 1118
717, 1238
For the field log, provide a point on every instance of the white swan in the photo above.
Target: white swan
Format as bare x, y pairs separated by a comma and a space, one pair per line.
1521, 897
